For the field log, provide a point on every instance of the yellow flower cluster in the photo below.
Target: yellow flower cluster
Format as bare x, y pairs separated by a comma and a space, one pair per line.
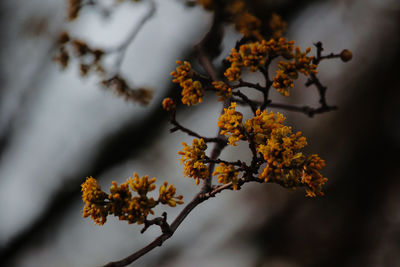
230, 123
280, 47
312, 177
168, 104
289, 71
280, 148
277, 26
94, 201
248, 25
167, 195
244, 22
223, 90
227, 174
132, 209
302, 63
192, 92
281, 151
194, 159
252, 55
282, 83
120, 201
286, 164
262, 124
255, 54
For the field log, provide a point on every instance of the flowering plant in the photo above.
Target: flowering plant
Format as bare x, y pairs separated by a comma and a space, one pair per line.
277, 151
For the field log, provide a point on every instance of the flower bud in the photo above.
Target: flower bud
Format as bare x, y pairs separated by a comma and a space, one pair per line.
346, 55
168, 104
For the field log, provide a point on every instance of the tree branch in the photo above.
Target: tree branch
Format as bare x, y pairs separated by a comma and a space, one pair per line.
123, 47
178, 126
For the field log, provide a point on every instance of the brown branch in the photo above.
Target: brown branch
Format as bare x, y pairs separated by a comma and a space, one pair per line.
160, 221
235, 163
210, 70
242, 83
320, 57
246, 100
321, 89
199, 198
309, 111
178, 126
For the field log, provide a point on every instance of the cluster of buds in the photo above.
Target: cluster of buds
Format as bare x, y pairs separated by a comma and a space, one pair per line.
121, 203
227, 174
255, 55
194, 159
223, 90
289, 71
230, 123
192, 90
281, 150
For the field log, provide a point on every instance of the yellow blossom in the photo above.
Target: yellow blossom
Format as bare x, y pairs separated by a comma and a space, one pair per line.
312, 177
255, 54
122, 203
282, 82
248, 25
94, 198
168, 104
227, 174
277, 26
194, 159
223, 90
167, 195
230, 123
262, 124
288, 71
192, 92
282, 152
142, 185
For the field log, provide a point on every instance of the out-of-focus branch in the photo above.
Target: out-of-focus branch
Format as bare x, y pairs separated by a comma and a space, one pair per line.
121, 49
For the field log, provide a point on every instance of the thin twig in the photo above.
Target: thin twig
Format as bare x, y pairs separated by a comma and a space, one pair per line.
242, 83
249, 102
309, 111
123, 47
178, 126
199, 197
210, 70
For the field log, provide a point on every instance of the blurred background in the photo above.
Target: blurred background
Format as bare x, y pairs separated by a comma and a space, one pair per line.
56, 128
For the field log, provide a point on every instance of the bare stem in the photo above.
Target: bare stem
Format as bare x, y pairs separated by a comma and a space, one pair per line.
198, 198
178, 126
123, 47
309, 111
